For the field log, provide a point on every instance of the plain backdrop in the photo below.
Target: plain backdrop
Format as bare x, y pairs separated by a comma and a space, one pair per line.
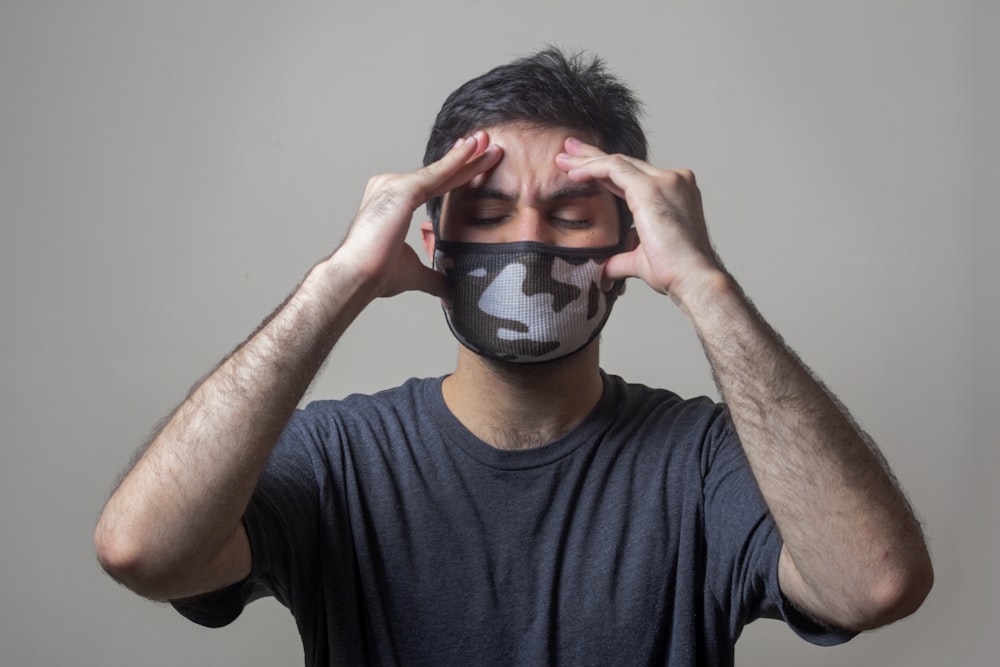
170, 170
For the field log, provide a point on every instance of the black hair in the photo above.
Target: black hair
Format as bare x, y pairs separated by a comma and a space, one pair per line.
546, 89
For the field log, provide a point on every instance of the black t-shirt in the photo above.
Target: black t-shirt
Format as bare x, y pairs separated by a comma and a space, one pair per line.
395, 536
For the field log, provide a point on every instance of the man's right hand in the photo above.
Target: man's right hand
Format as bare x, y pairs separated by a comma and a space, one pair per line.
375, 244
173, 527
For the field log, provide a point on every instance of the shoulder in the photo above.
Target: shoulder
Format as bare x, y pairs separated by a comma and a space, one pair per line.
410, 398
326, 430
632, 400
323, 424
699, 425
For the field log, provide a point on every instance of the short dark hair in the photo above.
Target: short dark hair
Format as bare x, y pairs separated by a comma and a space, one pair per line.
546, 89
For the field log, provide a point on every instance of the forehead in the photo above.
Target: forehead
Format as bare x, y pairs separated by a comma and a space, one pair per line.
528, 164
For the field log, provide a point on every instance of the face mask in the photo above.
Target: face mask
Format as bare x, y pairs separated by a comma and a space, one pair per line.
525, 302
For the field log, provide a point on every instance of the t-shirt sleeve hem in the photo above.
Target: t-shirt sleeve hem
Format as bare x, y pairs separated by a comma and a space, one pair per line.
221, 607
812, 630
806, 627
216, 608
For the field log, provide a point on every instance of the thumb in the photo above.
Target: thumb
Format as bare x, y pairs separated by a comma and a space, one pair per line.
622, 265
430, 281
618, 267
412, 274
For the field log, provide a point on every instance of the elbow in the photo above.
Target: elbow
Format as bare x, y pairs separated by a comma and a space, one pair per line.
118, 555
126, 561
896, 594
909, 592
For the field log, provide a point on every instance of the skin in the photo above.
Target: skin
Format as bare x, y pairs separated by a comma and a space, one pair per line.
172, 529
514, 406
854, 555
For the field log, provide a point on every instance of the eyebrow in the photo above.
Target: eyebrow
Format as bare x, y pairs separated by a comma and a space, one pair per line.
572, 191
477, 194
588, 190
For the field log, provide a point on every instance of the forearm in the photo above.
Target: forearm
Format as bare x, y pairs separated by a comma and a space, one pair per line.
856, 553
172, 528
175, 512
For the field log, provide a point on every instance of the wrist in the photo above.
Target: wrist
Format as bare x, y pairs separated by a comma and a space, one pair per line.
722, 314
703, 291
335, 288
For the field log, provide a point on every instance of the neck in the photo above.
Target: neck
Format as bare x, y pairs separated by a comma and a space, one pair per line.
519, 406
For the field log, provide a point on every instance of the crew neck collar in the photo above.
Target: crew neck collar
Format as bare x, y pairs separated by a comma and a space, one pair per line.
456, 434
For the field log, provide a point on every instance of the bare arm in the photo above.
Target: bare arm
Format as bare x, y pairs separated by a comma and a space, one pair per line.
173, 527
854, 555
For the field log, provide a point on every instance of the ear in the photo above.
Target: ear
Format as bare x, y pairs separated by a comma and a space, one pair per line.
427, 232
631, 239
631, 243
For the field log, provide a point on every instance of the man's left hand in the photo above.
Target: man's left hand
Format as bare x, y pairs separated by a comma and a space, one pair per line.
671, 250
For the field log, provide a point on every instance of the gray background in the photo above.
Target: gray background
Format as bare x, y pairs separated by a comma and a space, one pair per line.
169, 171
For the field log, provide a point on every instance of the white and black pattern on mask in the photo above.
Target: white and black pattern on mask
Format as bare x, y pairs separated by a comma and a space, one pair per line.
525, 302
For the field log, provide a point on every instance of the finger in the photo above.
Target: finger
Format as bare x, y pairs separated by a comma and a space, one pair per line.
622, 265
468, 158
577, 165
462, 152
619, 267
426, 279
482, 140
584, 151
573, 168
479, 164
619, 174
415, 275
575, 146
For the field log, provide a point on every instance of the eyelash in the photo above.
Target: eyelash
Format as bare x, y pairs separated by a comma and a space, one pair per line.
485, 222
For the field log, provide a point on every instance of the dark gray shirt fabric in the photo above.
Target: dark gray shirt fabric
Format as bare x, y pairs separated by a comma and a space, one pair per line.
396, 537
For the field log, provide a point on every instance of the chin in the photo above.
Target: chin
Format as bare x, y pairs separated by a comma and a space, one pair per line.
530, 368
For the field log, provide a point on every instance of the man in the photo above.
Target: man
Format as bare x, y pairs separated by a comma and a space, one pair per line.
527, 508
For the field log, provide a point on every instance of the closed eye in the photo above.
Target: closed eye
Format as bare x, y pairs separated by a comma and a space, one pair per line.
486, 222
571, 223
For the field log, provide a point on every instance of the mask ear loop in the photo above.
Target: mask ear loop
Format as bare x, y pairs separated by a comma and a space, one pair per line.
629, 242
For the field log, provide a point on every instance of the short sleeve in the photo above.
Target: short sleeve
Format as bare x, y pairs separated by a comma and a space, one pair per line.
743, 543
805, 627
281, 524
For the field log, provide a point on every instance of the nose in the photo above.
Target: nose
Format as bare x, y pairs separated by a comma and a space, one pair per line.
529, 225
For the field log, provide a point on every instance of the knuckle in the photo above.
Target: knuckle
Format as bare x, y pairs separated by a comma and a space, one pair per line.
678, 179
671, 178
383, 193
621, 161
377, 183
392, 184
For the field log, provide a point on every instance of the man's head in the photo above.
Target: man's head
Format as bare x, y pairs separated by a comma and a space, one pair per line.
546, 89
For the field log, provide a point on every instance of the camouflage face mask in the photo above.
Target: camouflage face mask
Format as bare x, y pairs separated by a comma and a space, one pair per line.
526, 301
